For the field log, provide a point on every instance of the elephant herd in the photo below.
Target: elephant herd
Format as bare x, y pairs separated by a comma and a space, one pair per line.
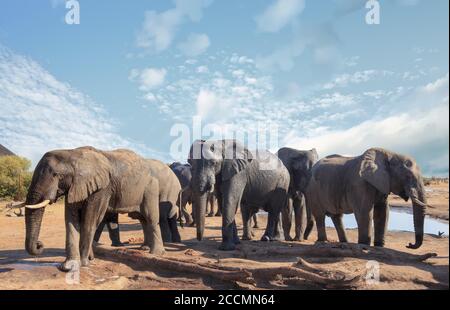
289, 184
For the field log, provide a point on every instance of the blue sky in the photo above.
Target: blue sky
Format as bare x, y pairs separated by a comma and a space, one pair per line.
131, 70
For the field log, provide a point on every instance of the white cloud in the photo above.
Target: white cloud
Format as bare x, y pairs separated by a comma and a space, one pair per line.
40, 113
149, 78
356, 78
418, 129
195, 44
279, 14
159, 29
202, 69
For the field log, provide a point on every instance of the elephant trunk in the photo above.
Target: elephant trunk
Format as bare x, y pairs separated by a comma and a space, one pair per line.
419, 206
199, 213
33, 221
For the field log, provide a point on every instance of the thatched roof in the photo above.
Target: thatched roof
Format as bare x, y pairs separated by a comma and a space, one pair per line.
5, 152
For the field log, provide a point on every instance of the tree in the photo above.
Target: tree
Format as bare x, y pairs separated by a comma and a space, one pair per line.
15, 177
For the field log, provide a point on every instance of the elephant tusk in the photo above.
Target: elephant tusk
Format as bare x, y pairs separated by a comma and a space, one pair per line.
420, 203
39, 205
16, 206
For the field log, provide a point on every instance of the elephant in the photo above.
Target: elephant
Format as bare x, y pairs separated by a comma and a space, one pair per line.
361, 185
183, 172
93, 182
169, 195
239, 178
111, 221
299, 164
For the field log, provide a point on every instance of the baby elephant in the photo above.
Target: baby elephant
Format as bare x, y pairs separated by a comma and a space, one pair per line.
361, 185
169, 192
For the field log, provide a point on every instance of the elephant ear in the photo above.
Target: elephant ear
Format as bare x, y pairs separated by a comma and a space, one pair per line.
236, 158
374, 169
91, 173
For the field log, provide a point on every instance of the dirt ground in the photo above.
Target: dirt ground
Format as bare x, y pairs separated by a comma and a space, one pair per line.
399, 267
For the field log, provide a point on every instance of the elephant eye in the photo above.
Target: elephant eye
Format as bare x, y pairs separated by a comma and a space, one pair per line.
408, 164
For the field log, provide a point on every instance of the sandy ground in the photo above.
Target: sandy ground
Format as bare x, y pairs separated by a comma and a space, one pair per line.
398, 268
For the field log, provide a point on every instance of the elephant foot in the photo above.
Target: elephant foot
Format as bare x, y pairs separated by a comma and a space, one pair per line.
247, 237
118, 244
210, 215
227, 247
218, 214
191, 224
176, 239
85, 262
255, 226
158, 251
379, 244
70, 265
288, 238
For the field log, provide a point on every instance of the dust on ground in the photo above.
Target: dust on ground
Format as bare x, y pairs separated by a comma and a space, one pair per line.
20, 271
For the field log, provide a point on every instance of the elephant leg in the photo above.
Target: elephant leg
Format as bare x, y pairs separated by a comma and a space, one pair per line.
166, 234
146, 244
231, 200
72, 221
309, 221
321, 229
339, 225
364, 217
255, 220
247, 223
380, 220
219, 209
92, 214
271, 230
299, 206
287, 219
99, 231
174, 229
185, 213
114, 230
150, 213
211, 205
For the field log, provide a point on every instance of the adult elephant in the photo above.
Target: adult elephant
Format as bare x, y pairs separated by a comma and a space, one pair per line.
184, 174
92, 182
361, 185
299, 164
239, 178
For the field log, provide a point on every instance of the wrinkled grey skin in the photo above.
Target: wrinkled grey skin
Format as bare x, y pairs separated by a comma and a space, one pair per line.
361, 185
239, 178
93, 182
299, 164
169, 199
183, 172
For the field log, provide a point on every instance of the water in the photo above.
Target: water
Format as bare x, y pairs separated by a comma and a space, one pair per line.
401, 220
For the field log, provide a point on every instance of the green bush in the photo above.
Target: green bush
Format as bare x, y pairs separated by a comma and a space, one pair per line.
15, 177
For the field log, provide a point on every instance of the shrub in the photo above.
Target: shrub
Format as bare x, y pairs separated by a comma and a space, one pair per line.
15, 177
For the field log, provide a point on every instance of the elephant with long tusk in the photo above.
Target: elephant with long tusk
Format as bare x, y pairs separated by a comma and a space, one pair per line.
94, 182
24, 205
361, 185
